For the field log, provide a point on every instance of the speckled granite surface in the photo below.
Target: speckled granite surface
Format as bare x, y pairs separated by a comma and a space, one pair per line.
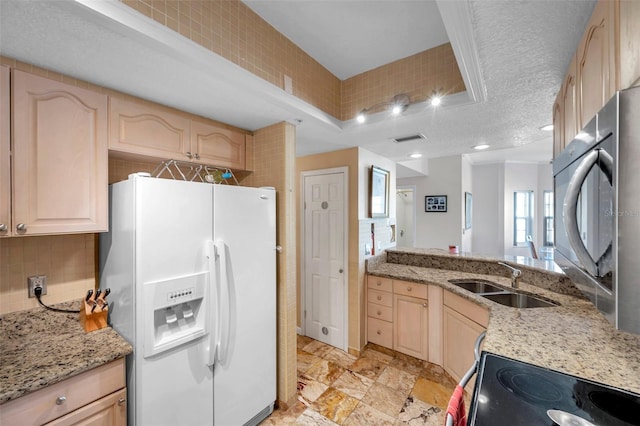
39, 347
573, 338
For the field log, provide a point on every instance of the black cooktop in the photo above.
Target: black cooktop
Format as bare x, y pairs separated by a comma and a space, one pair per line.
512, 393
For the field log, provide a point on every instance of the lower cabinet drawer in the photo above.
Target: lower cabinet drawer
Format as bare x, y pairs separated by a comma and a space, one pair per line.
59, 399
380, 312
380, 332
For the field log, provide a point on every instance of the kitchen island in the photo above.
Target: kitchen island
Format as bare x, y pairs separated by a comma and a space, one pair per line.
573, 338
39, 348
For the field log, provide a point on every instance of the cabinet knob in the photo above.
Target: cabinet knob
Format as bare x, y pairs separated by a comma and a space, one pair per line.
379, 283
21, 227
379, 332
424, 304
189, 155
379, 312
121, 401
60, 400
197, 156
379, 297
3, 227
408, 288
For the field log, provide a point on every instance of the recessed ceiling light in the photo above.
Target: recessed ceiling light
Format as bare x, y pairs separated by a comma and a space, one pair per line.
415, 155
547, 128
361, 118
435, 101
396, 110
481, 147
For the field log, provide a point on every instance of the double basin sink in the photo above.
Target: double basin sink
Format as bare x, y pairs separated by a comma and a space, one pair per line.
489, 291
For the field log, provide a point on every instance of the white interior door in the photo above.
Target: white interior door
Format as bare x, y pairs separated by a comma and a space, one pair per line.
405, 216
325, 282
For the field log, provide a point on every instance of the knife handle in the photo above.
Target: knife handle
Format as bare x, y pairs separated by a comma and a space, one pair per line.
89, 294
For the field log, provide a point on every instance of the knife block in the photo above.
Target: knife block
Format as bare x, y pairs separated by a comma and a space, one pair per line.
92, 321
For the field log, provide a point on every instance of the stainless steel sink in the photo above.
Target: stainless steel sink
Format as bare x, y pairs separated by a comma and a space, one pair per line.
477, 286
518, 300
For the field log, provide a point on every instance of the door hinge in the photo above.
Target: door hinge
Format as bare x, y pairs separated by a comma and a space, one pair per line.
305, 314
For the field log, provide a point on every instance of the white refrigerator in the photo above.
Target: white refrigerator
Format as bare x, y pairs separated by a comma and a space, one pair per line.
192, 272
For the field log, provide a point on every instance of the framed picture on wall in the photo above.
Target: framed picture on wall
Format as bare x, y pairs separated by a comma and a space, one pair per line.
378, 192
468, 200
435, 203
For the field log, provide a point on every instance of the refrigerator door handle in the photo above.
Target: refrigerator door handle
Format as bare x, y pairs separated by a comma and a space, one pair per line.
210, 349
224, 305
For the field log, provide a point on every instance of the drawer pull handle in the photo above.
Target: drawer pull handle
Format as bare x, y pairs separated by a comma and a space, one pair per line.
60, 400
379, 312
379, 332
121, 401
379, 297
408, 288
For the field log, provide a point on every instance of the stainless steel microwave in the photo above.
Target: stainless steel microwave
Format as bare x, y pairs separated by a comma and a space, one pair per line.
597, 210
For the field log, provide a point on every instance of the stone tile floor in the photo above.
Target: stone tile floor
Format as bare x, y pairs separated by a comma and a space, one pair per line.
381, 387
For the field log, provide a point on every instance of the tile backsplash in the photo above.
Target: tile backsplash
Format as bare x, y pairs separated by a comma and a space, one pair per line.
68, 261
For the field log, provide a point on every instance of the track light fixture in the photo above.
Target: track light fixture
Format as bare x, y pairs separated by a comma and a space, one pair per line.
396, 106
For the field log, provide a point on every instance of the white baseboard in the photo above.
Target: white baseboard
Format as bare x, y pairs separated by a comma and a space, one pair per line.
299, 331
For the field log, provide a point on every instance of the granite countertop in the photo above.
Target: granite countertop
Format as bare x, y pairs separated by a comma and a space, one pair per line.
574, 338
39, 347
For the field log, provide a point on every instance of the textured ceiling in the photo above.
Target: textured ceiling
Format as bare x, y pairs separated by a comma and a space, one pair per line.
523, 50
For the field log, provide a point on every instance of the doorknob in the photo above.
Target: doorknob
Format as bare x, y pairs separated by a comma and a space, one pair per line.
341, 270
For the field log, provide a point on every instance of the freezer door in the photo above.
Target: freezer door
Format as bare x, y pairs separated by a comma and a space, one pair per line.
245, 371
174, 385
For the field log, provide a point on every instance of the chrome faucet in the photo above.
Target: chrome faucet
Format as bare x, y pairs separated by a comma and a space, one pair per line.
516, 274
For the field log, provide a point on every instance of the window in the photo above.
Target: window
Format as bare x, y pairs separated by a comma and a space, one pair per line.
547, 220
522, 217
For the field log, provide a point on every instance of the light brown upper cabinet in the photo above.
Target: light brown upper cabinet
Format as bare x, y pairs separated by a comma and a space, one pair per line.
212, 144
607, 60
628, 43
59, 157
569, 93
558, 126
596, 62
148, 130
5, 157
154, 131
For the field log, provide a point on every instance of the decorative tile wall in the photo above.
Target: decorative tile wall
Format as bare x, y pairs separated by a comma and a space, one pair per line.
232, 30
275, 151
68, 261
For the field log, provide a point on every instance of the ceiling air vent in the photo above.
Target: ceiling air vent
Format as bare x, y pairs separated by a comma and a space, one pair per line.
410, 138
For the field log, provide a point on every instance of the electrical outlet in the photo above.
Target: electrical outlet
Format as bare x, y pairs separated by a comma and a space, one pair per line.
35, 282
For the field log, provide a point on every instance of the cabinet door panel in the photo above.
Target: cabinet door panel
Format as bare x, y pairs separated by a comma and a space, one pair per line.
59, 157
5, 159
460, 334
595, 64
629, 45
217, 146
411, 325
558, 127
149, 130
569, 100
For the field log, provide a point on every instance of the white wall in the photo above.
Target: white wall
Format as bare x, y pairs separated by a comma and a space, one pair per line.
488, 206
493, 188
466, 186
439, 230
